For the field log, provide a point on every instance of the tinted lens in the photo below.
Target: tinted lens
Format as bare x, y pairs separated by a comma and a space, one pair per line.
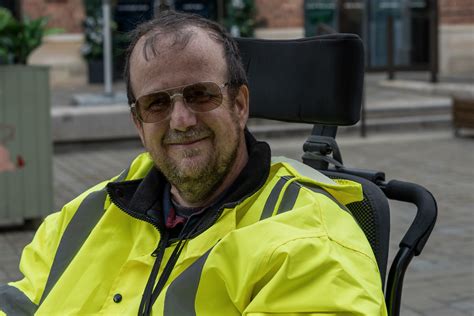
198, 97
203, 96
154, 107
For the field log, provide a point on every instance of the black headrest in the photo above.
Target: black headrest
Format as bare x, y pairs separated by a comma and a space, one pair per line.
317, 80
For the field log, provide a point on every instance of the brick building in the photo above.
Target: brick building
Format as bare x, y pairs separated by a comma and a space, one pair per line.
277, 19
281, 13
62, 51
66, 14
456, 12
456, 31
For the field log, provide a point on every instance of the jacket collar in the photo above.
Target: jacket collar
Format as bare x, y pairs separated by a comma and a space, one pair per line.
139, 197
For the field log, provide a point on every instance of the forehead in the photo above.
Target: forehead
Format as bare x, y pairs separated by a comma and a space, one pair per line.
165, 60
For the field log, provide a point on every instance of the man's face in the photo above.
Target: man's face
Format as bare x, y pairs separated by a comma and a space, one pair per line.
195, 151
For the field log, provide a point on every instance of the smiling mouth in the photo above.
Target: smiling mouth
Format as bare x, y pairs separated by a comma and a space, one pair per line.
186, 142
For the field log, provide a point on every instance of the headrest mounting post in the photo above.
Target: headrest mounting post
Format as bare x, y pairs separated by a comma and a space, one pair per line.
319, 147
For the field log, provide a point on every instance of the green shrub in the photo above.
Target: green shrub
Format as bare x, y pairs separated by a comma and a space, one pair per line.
18, 39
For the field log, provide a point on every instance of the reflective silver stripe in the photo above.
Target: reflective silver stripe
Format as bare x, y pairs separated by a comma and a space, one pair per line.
291, 194
289, 198
123, 175
84, 220
304, 170
273, 198
181, 294
15, 302
324, 192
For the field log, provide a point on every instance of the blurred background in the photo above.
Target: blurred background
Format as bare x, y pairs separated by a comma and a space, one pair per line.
410, 34
65, 124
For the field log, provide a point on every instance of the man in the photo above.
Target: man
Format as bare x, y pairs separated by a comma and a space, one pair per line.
204, 223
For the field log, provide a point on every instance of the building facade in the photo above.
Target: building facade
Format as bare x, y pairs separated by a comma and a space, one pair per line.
412, 21
410, 24
456, 31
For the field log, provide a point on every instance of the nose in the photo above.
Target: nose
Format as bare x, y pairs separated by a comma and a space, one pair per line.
181, 118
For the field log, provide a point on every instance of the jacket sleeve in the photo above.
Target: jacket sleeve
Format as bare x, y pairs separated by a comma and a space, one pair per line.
318, 276
274, 268
22, 297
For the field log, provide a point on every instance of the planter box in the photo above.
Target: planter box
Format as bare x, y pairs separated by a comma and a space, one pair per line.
26, 193
463, 114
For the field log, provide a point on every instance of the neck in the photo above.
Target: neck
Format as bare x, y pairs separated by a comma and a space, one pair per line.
239, 164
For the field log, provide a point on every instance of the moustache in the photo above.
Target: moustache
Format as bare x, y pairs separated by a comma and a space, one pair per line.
191, 135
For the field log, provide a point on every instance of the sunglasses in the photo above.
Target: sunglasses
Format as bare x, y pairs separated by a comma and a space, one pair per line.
198, 97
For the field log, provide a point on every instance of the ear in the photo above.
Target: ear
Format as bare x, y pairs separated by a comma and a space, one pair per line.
139, 126
241, 105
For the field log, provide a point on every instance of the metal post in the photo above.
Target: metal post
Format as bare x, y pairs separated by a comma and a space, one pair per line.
107, 47
337, 16
363, 124
17, 12
368, 37
220, 11
390, 59
433, 40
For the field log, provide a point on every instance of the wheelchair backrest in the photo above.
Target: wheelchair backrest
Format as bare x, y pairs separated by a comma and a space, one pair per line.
315, 80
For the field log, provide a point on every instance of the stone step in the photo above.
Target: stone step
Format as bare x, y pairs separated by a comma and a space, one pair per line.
402, 124
460, 89
82, 124
402, 109
377, 125
112, 122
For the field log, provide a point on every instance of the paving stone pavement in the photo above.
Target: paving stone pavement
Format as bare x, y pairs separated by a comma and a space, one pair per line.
439, 282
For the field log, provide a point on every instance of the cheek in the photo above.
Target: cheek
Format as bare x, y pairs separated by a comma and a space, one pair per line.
227, 129
152, 136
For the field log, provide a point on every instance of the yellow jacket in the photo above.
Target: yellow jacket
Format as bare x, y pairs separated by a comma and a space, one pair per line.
287, 248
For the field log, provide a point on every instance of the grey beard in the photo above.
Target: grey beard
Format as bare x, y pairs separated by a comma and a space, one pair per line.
200, 186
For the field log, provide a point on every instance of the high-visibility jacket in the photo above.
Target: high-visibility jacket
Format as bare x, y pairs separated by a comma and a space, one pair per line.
289, 247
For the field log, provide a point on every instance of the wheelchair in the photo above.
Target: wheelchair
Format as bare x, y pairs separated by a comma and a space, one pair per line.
319, 80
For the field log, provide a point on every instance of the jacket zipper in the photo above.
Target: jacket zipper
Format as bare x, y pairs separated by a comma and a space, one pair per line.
145, 219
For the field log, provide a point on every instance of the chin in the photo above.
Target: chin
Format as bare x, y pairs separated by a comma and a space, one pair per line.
191, 162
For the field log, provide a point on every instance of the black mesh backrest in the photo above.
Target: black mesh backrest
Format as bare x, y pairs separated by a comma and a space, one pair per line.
316, 80
373, 216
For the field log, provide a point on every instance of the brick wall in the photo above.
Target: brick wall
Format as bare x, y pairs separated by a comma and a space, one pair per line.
68, 14
65, 14
456, 11
280, 13
289, 13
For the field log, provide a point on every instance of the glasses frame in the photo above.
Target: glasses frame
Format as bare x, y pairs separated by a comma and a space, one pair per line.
179, 92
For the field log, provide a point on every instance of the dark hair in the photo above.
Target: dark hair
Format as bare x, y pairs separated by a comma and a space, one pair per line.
172, 22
